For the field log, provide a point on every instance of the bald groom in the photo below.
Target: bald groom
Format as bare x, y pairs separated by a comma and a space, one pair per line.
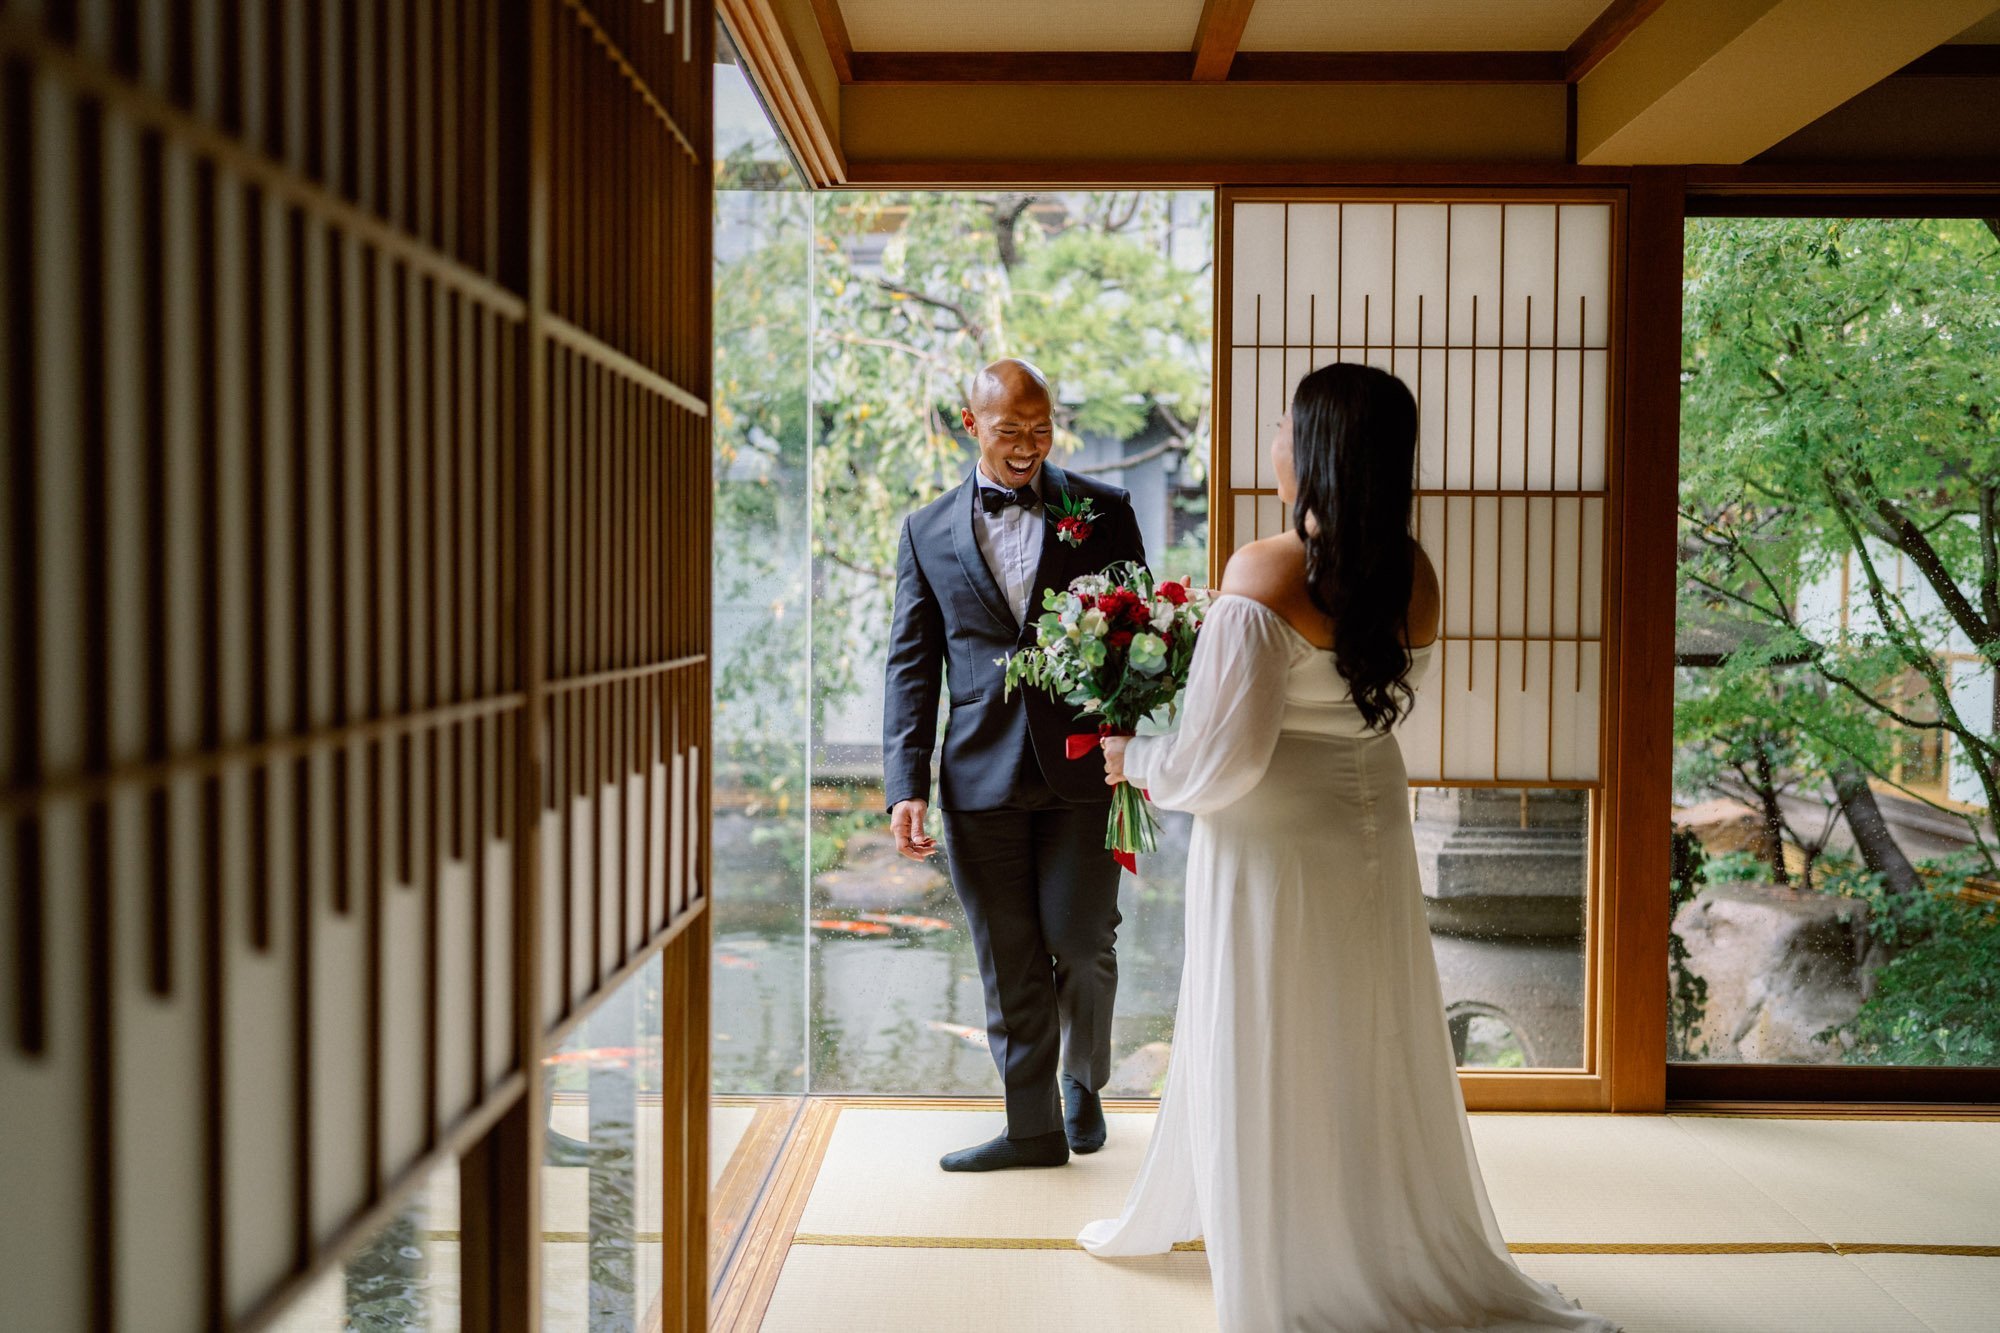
1023, 824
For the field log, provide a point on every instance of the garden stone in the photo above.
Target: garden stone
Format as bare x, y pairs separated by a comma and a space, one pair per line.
1780, 964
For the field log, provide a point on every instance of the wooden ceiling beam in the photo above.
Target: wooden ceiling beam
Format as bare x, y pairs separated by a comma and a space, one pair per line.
833, 30
1217, 36
1617, 22
1706, 82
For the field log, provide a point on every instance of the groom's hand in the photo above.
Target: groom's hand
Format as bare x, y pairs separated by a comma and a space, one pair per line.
906, 821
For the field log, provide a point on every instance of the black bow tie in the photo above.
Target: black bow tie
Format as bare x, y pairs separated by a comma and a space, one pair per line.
993, 499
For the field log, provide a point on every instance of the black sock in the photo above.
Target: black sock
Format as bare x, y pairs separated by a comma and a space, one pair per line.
1050, 1149
1083, 1117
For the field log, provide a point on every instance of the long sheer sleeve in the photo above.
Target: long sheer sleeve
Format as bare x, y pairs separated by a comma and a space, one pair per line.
1230, 713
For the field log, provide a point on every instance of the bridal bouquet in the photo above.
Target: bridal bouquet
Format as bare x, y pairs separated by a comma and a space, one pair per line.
1117, 645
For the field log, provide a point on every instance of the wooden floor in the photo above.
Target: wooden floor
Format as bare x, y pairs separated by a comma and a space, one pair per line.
1670, 1224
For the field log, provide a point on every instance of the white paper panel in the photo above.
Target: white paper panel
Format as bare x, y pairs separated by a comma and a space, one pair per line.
456, 1058
1257, 273
1243, 432
405, 959
1497, 318
1465, 701
1425, 373
1573, 751
1312, 251
1367, 272
44, 1157
500, 989
1529, 268
1420, 274
1475, 275
260, 1108
1583, 277
1274, 399
1471, 420
340, 1043
159, 1049
1523, 690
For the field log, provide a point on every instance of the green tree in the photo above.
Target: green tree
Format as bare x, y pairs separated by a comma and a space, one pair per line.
1087, 287
1838, 404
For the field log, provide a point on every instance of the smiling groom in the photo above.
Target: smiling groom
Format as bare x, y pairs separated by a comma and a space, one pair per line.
1023, 824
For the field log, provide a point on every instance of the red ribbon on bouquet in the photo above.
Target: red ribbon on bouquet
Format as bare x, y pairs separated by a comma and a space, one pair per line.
1082, 743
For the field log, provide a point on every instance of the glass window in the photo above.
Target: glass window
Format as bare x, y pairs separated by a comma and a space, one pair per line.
601, 1164
1109, 293
405, 1278
1506, 880
763, 256
1836, 870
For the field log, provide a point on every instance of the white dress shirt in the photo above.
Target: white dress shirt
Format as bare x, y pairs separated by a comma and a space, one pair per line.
1011, 541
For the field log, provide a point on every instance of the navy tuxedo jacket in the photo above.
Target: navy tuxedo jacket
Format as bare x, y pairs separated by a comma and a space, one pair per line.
952, 622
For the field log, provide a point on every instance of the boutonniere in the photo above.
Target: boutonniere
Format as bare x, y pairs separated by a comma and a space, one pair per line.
1073, 516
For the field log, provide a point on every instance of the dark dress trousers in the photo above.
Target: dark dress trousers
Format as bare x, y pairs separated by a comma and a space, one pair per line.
1024, 826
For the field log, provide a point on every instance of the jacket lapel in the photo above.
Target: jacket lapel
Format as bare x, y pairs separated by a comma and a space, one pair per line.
966, 546
1055, 490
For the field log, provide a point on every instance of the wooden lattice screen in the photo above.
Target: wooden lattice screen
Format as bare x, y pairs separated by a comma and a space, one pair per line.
353, 709
1497, 311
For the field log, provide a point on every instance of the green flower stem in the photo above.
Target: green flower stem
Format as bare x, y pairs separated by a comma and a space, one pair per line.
1133, 826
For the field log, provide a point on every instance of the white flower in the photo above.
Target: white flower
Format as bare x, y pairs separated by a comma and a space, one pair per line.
1093, 706
1094, 584
1093, 623
1163, 616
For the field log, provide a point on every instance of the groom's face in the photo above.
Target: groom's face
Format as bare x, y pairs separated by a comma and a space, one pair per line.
1014, 429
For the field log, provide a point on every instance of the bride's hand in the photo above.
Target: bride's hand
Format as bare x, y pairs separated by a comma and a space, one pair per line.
1114, 759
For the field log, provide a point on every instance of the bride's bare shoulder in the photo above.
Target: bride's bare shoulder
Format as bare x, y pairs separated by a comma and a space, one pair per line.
1271, 570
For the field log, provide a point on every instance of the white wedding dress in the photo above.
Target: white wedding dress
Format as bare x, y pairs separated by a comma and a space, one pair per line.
1312, 1129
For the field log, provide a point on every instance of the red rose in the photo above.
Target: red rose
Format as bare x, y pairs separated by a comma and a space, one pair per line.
1076, 528
1120, 639
1119, 603
1173, 592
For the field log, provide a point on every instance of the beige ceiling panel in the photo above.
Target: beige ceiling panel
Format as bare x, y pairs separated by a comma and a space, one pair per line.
1021, 25
1416, 25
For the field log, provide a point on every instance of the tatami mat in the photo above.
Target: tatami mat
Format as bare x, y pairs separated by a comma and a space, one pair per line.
1727, 1293
1949, 1293
1931, 1182
881, 1178
826, 1289
1551, 1178
1617, 1178
1556, 1180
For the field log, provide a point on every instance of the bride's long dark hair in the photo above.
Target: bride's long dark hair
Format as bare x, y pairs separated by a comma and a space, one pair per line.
1354, 447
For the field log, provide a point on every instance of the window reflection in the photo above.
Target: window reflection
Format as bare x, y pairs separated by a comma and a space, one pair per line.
601, 1164
405, 1278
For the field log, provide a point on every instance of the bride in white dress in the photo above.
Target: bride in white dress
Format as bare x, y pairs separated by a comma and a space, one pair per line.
1312, 1130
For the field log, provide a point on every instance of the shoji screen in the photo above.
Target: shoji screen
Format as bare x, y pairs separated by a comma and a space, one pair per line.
1497, 314
353, 504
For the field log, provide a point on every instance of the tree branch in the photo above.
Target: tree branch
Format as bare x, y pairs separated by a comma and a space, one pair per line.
965, 321
885, 575
1133, 460
1908, 538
